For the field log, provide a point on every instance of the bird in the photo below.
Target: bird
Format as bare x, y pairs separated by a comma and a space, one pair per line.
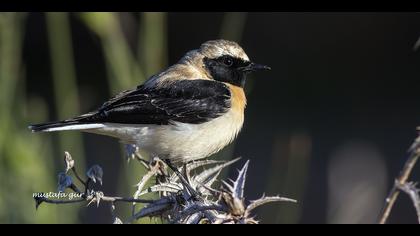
189, 111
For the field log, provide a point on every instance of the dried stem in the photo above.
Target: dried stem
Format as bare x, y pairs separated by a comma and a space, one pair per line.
73, 169
54, 201
401, 180
122, 199
95, 198
411, 190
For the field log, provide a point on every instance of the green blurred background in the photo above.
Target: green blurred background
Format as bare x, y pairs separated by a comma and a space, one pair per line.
329, 125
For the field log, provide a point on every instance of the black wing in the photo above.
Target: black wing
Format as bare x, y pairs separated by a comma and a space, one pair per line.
186, 101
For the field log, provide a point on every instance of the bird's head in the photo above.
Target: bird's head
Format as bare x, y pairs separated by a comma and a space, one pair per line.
225, 61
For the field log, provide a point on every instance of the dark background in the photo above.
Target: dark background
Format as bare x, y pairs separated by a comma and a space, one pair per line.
336, 113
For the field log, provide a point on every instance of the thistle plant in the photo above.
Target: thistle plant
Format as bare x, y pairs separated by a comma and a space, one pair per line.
191, 195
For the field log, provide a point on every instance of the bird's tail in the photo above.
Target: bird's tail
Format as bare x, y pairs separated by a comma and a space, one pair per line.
64, 125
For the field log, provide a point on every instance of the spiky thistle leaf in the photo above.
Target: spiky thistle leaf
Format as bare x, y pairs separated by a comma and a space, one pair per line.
194, 219
264, 200
239, 184
163, 187
157, 208
209, 173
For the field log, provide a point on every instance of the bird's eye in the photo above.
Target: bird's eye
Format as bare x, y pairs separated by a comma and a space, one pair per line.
228, 61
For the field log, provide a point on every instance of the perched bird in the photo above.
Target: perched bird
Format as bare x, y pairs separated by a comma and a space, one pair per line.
189, 111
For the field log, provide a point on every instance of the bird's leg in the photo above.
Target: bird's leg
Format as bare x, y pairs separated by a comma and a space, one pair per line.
185, 182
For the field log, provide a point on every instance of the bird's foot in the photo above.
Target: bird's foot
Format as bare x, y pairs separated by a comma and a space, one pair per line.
184, 180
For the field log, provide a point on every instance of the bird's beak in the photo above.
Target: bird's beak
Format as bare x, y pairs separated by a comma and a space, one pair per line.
256, 67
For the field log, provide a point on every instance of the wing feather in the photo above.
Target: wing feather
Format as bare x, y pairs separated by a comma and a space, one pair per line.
186, 101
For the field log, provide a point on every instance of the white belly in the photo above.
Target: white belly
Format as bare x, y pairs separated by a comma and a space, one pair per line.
180, 142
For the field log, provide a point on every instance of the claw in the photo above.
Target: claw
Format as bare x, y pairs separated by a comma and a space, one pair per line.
190, 190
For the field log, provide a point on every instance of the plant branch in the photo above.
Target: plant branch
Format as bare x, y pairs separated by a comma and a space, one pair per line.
73, 169
92, 198
401, 180
122, 199
411, 190
55, 201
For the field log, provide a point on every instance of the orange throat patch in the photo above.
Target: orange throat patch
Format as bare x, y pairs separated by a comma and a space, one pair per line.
238, 98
